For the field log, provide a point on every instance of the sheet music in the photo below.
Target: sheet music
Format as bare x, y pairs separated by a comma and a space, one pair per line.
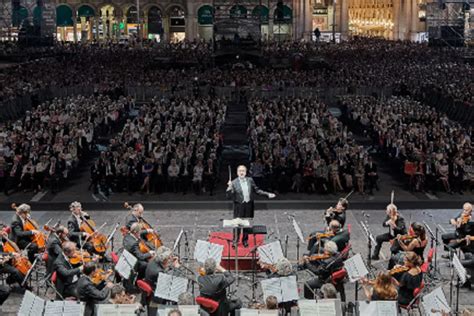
378, 308
270, 253
169, 287
73, 308
436, 300
329, 307
258, 312
205, 250
189, 310
116, 309
460, 270
26, 303
31, 305
236, 222
355, 268
298, 231
54, 308
125, 264
284, 289
306, 307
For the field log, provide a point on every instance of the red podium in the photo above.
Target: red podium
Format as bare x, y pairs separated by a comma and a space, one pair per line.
244, 254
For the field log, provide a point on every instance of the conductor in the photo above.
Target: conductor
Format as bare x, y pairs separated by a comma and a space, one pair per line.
242, 191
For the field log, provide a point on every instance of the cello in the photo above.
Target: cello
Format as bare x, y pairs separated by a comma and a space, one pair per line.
19, 261
98, 240
152, 238
40, 238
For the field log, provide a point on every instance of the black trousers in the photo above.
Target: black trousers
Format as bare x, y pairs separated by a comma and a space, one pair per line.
447, 238
4, 293
311, 287
13, 274
243, 210
380, 239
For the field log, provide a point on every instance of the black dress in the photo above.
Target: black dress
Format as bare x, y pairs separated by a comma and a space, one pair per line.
408, 283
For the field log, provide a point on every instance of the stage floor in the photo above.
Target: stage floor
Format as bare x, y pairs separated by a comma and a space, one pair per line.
200, 223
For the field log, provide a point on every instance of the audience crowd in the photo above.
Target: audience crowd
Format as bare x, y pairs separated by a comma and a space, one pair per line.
433, 151
298, 146
171, 145
48, 143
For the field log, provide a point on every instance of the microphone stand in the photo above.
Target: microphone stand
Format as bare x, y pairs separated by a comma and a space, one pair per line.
370, 238
286, 246
434, 243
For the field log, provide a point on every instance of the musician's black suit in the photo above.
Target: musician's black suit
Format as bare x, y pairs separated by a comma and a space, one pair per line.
214, 287
242, 208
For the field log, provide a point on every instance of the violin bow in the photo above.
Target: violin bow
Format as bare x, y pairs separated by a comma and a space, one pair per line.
349, 194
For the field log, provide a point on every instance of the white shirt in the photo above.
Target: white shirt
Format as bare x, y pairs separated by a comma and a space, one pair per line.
245, 189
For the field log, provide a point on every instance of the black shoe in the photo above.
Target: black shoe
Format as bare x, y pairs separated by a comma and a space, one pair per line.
374, 257
445, 256
245, 243
467, 285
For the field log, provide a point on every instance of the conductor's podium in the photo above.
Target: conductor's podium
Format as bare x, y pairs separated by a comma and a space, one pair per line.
244, 254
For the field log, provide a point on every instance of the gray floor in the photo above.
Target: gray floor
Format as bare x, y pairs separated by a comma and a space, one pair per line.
200, 223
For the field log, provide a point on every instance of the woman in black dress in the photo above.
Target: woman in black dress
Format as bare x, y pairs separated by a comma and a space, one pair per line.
410, 280
415, 241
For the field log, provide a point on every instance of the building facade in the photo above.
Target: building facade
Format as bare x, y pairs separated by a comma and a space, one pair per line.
176, 20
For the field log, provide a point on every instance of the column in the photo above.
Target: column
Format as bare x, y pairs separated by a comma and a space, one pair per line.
396, 19
166, 28
308, 27
344, 21
414, 19
74, 27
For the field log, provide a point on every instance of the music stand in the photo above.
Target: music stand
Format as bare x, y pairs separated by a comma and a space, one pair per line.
236, 223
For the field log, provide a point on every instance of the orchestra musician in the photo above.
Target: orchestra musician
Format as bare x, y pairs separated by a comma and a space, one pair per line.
242, 190
409, 280
382, 289
334, 233
131, 242
214, 286
74, 226
88, 292
337, 213
322, 265
396, 225
163, 262
462, 228
5, 263
119, 296
135, 215
283, 268
20, 236
67, 273
54, 246
415, 241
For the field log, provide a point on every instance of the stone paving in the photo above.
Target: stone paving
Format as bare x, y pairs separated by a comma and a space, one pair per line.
198, 224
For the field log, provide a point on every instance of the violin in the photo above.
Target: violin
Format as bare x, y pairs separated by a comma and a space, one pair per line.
100, 275
40, 238
322, 256
268, 266
321, 235
98, 240
398, 270
152, 238
403, 238
81, 256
